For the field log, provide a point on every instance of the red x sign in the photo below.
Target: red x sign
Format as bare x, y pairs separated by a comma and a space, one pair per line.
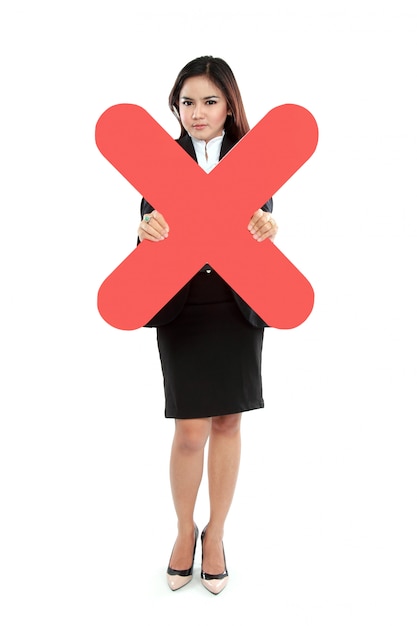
208, 215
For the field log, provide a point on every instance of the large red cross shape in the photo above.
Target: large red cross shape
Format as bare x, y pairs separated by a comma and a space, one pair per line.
208, 215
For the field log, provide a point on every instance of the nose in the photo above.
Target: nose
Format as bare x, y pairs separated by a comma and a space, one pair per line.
198, 111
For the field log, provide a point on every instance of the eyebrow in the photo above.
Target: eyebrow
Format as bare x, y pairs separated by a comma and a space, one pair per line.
205, 98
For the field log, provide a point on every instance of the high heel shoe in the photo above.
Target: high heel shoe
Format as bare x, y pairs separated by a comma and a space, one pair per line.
178, 578
215, 583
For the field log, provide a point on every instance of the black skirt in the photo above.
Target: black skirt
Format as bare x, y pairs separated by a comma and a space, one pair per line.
210, 355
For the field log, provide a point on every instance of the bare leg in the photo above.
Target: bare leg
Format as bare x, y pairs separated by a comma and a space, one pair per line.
223, 468
186, 469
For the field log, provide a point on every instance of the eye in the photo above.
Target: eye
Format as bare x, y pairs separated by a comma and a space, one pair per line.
211, 102
186, 103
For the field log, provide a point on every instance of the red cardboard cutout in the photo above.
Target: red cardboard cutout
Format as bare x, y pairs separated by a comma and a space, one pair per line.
207, 214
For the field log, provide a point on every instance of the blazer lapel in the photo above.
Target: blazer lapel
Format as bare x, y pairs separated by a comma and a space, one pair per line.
227, 145
186, 143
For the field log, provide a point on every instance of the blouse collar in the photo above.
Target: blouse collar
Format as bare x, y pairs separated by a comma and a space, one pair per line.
208, 154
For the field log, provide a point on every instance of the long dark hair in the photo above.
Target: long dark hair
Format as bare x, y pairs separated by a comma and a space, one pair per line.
219, 72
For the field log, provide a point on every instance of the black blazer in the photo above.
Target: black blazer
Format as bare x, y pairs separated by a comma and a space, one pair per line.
175, 305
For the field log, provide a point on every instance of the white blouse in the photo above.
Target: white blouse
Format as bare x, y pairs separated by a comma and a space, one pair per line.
208, 154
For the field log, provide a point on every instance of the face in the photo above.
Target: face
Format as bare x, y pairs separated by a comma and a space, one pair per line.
203, 108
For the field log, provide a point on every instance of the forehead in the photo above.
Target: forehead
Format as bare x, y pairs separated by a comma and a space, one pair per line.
199, 87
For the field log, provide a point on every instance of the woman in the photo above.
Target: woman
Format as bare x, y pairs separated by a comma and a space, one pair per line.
210, 341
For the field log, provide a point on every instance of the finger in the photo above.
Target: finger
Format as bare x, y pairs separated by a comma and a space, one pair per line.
255, 219
264, 228
259, 219
153, 230
160, 220
145, 235
268, 231
157, 221
148, 231
154, 225
260, 222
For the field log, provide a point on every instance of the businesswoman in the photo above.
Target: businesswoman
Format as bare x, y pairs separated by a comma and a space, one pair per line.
209, 340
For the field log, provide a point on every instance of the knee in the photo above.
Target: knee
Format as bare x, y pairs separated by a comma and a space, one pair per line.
191, 435
227, 425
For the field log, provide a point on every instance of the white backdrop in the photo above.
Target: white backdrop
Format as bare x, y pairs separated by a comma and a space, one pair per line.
322, 529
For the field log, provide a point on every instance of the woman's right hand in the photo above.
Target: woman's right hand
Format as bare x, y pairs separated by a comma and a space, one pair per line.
153, 227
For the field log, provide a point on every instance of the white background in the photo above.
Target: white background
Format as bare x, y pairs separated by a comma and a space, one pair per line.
322, 529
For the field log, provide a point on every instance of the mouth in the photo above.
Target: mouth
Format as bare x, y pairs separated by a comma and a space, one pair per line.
199, 126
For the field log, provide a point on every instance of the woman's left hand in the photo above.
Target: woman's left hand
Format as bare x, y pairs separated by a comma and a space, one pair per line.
262, 226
